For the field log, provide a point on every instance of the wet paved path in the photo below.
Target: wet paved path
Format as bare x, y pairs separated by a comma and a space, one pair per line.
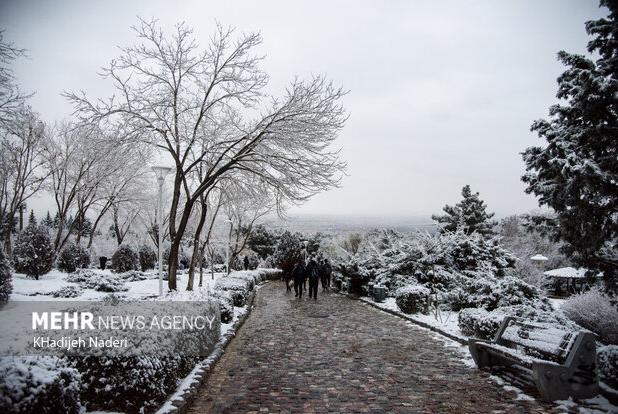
339, 355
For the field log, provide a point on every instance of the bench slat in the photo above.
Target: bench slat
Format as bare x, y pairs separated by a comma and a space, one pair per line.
538, 340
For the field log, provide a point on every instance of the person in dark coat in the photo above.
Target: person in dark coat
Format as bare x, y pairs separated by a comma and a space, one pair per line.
246, 262
326, 271
299, 274
313, 273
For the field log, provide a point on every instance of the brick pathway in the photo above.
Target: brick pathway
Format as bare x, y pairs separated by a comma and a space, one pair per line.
338, 355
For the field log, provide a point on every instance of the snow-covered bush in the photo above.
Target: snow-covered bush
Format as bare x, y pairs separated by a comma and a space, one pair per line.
147, 257
124, 259
238, 289
594, 310
105, 282
33, 253
41, 384
136, 276
130, 383
607, 361
251, 277
226, 305
67, 292
413, 299
80, 276
479, 323
6, 284
72, 257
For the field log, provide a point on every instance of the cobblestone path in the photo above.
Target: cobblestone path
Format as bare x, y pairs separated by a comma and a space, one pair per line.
339, 355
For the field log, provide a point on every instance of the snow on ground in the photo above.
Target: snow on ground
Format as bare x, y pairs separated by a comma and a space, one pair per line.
28, 289
557, 302
445, 321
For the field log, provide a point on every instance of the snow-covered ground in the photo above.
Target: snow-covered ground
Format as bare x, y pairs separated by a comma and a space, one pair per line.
28, 289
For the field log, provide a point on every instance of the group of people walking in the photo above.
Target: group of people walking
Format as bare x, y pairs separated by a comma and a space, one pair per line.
316, 271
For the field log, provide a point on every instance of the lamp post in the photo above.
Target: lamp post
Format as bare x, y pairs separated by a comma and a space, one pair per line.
227, 249
160, 172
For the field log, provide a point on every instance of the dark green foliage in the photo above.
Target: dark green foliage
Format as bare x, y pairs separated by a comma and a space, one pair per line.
147, 257
124, 259
73, 257
289, 251
469, 215
33, 253
261, 241
576, 172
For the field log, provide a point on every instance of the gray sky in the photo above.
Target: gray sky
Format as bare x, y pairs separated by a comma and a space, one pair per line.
442, 93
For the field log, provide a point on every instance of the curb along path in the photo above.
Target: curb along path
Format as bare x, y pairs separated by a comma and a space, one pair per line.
338, 355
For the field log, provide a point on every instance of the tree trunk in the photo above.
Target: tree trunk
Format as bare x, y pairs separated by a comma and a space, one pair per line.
172, 261
196, 247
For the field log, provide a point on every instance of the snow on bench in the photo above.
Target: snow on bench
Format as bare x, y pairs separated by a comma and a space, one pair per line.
561, 363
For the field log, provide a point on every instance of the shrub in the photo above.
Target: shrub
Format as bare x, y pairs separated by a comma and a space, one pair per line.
413, 299
607, 360
41, 384
80, 276
6, 284
33, 253
237, 288
479, 323
147, 257
124, 259
251, 277
136, 276
73, 257
226, 305
68, 292
594, 311
105, 283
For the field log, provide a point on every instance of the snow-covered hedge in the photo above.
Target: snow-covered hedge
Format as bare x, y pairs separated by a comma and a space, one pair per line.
136, 276
238, 289
38, 384
67, 292
142, 380
607, 360
479, 323
101, 282
73, 257
226, 305
124, 259
413, 299
593, 310
6, 284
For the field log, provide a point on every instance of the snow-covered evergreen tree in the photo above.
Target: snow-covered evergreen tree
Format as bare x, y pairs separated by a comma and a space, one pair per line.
48, 221
469, 215
33, 253
262, 241
32, 218
289, 251
73, 257
576, 173
124, 259
6, 284
147, 257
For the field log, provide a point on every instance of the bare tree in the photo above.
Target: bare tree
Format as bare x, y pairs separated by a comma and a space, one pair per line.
20, 173
12, 99
169, 92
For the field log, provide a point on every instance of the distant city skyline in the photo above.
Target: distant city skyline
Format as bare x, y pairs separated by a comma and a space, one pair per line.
441, 94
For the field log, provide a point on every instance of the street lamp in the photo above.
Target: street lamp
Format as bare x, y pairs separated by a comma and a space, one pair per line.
160, 172
227, 250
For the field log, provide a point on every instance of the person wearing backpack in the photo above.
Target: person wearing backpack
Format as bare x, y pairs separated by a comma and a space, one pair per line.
314, 278
299, 275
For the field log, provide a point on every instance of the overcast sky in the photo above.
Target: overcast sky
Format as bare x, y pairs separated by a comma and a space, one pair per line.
442, 93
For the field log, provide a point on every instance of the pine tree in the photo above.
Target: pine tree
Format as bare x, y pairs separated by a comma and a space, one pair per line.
262, 241
576, 173
32, 218
289, 251
33, 253
469, 215
48, 221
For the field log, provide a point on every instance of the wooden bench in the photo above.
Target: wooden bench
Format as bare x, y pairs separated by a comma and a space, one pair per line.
561, 363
